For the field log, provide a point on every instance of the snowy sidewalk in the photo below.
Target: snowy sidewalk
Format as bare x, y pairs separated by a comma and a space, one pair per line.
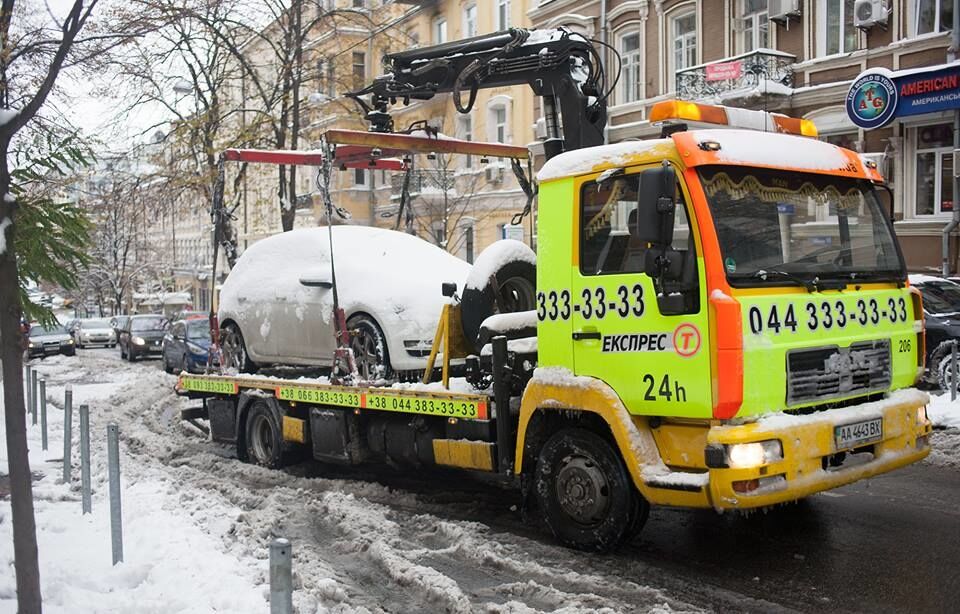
171, 564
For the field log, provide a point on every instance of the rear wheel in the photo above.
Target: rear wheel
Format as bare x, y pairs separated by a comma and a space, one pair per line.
585, 492
941, 365
235, 350
369, 348
263, 437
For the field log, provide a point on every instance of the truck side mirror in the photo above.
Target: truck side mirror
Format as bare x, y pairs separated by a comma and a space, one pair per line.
656, 205
448, 288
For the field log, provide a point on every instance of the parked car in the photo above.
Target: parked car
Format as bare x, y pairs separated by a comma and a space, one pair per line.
118, 323
96, 331
185, 346
190, 315
941, 314
142, 336
49, 340
276, 306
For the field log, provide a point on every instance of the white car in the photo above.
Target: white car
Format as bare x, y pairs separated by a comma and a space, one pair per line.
95, 332
276, 306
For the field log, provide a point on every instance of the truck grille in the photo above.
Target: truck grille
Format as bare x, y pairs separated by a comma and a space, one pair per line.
822, 374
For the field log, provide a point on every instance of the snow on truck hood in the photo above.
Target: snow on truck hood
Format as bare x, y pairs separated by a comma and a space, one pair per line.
396, 273
741, 147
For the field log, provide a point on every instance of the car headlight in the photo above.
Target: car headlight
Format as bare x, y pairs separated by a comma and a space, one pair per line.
69, 341
744, 455
138, 341
32, 344
196, 349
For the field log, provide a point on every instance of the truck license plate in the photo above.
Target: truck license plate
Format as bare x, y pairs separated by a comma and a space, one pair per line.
852, 435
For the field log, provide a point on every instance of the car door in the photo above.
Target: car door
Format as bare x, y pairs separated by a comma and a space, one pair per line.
650, 348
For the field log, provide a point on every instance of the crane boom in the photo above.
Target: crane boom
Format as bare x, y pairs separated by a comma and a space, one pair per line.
561, 66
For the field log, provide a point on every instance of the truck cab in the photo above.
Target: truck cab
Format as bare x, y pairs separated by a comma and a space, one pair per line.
734, 305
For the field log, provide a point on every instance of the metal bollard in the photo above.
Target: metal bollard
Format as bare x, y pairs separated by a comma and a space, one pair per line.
26, 380
85, 458
33, 397
953, 370
281, 577
43, 413
67, 431
113, 462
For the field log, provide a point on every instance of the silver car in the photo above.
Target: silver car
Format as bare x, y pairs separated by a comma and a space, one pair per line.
95, 332
276, 306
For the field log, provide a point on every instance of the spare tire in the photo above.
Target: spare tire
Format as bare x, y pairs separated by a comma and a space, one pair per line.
514, 267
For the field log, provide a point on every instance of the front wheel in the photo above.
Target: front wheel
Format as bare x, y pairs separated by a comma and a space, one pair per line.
235, 349
585, 492
263, 439
941, 364
369, 349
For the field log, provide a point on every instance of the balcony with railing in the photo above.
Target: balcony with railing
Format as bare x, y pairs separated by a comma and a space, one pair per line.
756, 73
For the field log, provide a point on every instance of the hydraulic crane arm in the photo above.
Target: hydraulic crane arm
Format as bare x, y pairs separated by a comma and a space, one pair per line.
561, 66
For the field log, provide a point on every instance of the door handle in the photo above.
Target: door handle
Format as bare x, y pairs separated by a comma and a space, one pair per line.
587, 333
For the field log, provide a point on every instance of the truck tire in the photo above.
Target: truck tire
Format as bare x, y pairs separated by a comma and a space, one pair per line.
264, 439
585, 493
513, 265
369, 348
235, 349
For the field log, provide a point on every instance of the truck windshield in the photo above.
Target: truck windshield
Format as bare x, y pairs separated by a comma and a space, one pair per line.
778, 227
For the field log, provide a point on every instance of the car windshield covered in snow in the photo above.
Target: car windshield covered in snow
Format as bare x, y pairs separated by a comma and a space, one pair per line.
776, 225
198, 330
142, 324
940, 296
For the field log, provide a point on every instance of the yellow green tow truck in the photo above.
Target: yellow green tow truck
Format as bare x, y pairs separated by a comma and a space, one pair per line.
722, 319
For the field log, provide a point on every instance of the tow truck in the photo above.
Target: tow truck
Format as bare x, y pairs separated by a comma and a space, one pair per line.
723, 318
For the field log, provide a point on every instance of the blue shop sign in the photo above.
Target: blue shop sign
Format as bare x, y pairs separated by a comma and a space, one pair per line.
878, 96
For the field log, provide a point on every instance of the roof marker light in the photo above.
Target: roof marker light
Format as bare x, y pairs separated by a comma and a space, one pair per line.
731, 117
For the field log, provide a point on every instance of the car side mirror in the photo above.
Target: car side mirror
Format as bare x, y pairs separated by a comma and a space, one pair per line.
448, 289
316, 279
656, 203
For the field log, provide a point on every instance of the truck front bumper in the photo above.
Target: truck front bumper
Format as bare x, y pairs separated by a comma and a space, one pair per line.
811, 459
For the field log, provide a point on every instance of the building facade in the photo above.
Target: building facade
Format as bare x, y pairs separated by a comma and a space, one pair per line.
799, 60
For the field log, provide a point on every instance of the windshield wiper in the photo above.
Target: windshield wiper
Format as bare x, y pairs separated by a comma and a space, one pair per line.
811, 285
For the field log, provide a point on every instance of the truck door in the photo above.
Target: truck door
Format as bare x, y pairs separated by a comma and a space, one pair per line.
650, 347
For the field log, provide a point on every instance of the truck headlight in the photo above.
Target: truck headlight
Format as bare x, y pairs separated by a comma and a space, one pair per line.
138, 341
922, 414
744, 455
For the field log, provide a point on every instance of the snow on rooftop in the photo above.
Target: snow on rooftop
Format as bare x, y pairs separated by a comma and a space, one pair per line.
770, 149
592, 159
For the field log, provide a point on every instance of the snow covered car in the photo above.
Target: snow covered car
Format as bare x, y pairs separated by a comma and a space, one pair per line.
49, 340
94, 332
276, 306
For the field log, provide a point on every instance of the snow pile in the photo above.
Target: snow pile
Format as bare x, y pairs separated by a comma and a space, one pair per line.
506, 322
591, 159
3, 234
494, 257
768, 149
943, 412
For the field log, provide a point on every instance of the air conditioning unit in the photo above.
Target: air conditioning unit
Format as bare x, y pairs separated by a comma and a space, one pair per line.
869, 13
783, 10
493, 173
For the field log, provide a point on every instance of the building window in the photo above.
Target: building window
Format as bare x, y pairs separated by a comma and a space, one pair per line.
683, 31
755, 26
465, 132
413, 37
934, 170
359, 4
360, 177
359, 69
932, 16
470, 21
468, 241
440, 31
331, 78
837, 33
499, 117
502, 17
630, 55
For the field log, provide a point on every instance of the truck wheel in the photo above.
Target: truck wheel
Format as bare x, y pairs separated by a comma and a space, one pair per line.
263, 437
585, 492
235, 349
369, 348
513, 265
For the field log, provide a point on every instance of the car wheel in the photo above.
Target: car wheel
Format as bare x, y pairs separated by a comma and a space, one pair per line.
263, 440
113, 345
235, 350
123, 353
510, 263
184, 365
369, 348
585, 492
166, 364
940, 365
